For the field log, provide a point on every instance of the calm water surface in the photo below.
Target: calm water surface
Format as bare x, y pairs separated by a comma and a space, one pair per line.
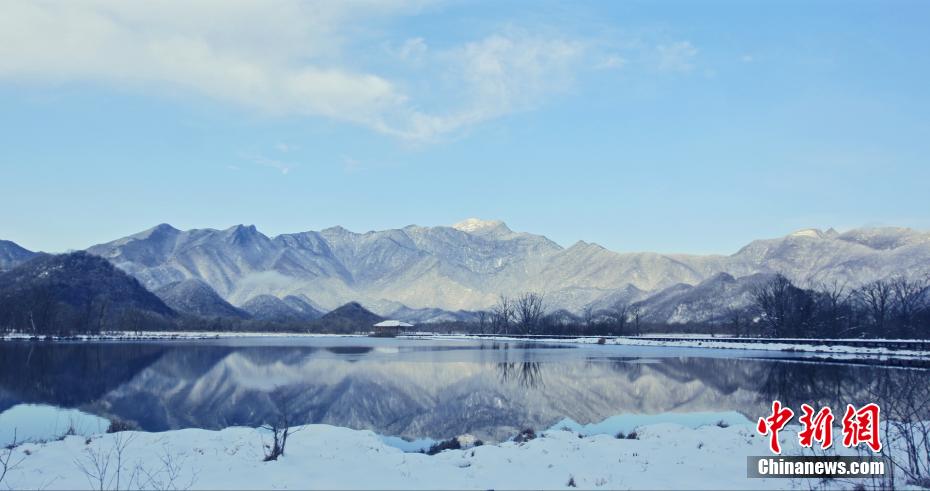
409, 388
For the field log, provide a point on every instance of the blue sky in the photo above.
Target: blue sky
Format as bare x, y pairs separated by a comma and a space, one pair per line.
669, 126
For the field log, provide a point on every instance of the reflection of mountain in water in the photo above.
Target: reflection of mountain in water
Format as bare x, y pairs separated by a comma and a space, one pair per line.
68, 374
490, 392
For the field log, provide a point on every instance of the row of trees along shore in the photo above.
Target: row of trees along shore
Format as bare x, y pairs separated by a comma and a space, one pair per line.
897, 307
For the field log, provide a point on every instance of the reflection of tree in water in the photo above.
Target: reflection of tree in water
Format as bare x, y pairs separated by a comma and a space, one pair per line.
837, 385
791, 382
525, 373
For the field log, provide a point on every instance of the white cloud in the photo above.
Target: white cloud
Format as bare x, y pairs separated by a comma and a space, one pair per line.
413, 49
282, 167
284, 147
288, 57
502, 74
678, 56
350, 164
611, 61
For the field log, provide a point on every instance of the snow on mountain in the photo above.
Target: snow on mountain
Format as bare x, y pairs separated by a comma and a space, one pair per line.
289, 309
426, 316
708, 301
466, 266
194, 296
12, 255
476, 225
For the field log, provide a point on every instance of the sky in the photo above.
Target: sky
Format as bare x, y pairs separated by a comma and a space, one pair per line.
641, 126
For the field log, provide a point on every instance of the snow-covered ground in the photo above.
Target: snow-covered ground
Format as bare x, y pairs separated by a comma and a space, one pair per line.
321, 456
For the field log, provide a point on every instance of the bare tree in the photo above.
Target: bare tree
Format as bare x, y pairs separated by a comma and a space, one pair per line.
503, 314
785, 310
736, 320
619, 314
482, 321
587, 316
103, 467
530, 309
836, 311
877, 298
8, 460
279, 426
636, 316
908, 303
168, 476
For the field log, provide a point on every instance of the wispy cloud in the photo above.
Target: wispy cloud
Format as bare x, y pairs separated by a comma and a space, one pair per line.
282, 167
350, 164
285, 147
678, 56
294, 59
412, 49
611, 61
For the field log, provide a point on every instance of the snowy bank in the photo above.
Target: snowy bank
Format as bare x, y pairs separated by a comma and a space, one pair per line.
320, 456
833, 351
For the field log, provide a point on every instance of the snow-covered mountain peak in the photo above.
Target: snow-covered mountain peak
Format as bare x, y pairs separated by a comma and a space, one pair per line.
158, 231
472, 225
814, 233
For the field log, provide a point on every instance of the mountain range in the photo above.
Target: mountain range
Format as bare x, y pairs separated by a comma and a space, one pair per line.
448, 272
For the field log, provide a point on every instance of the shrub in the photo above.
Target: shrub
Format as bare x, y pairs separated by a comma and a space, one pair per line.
632, 436
450, 444
118, 425
525, 436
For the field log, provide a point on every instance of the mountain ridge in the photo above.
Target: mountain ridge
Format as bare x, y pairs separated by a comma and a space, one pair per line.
445, 272
467, 265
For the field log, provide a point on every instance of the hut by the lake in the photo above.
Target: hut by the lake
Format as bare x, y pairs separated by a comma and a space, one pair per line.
389, 328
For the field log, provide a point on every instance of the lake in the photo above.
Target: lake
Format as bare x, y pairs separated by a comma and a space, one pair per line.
412, 389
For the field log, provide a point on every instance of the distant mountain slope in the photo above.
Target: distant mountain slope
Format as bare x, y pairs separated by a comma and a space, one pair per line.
424, 316
195, 297
303, 306
271, 308
466, 266
351, 317
708, 301
77, 292
12, 255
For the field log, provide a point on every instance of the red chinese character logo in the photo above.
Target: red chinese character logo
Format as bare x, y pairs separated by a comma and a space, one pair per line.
861, 426
774, 423
816, 428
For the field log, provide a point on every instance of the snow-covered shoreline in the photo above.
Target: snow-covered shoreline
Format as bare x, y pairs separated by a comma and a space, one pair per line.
837, 352
663, 456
